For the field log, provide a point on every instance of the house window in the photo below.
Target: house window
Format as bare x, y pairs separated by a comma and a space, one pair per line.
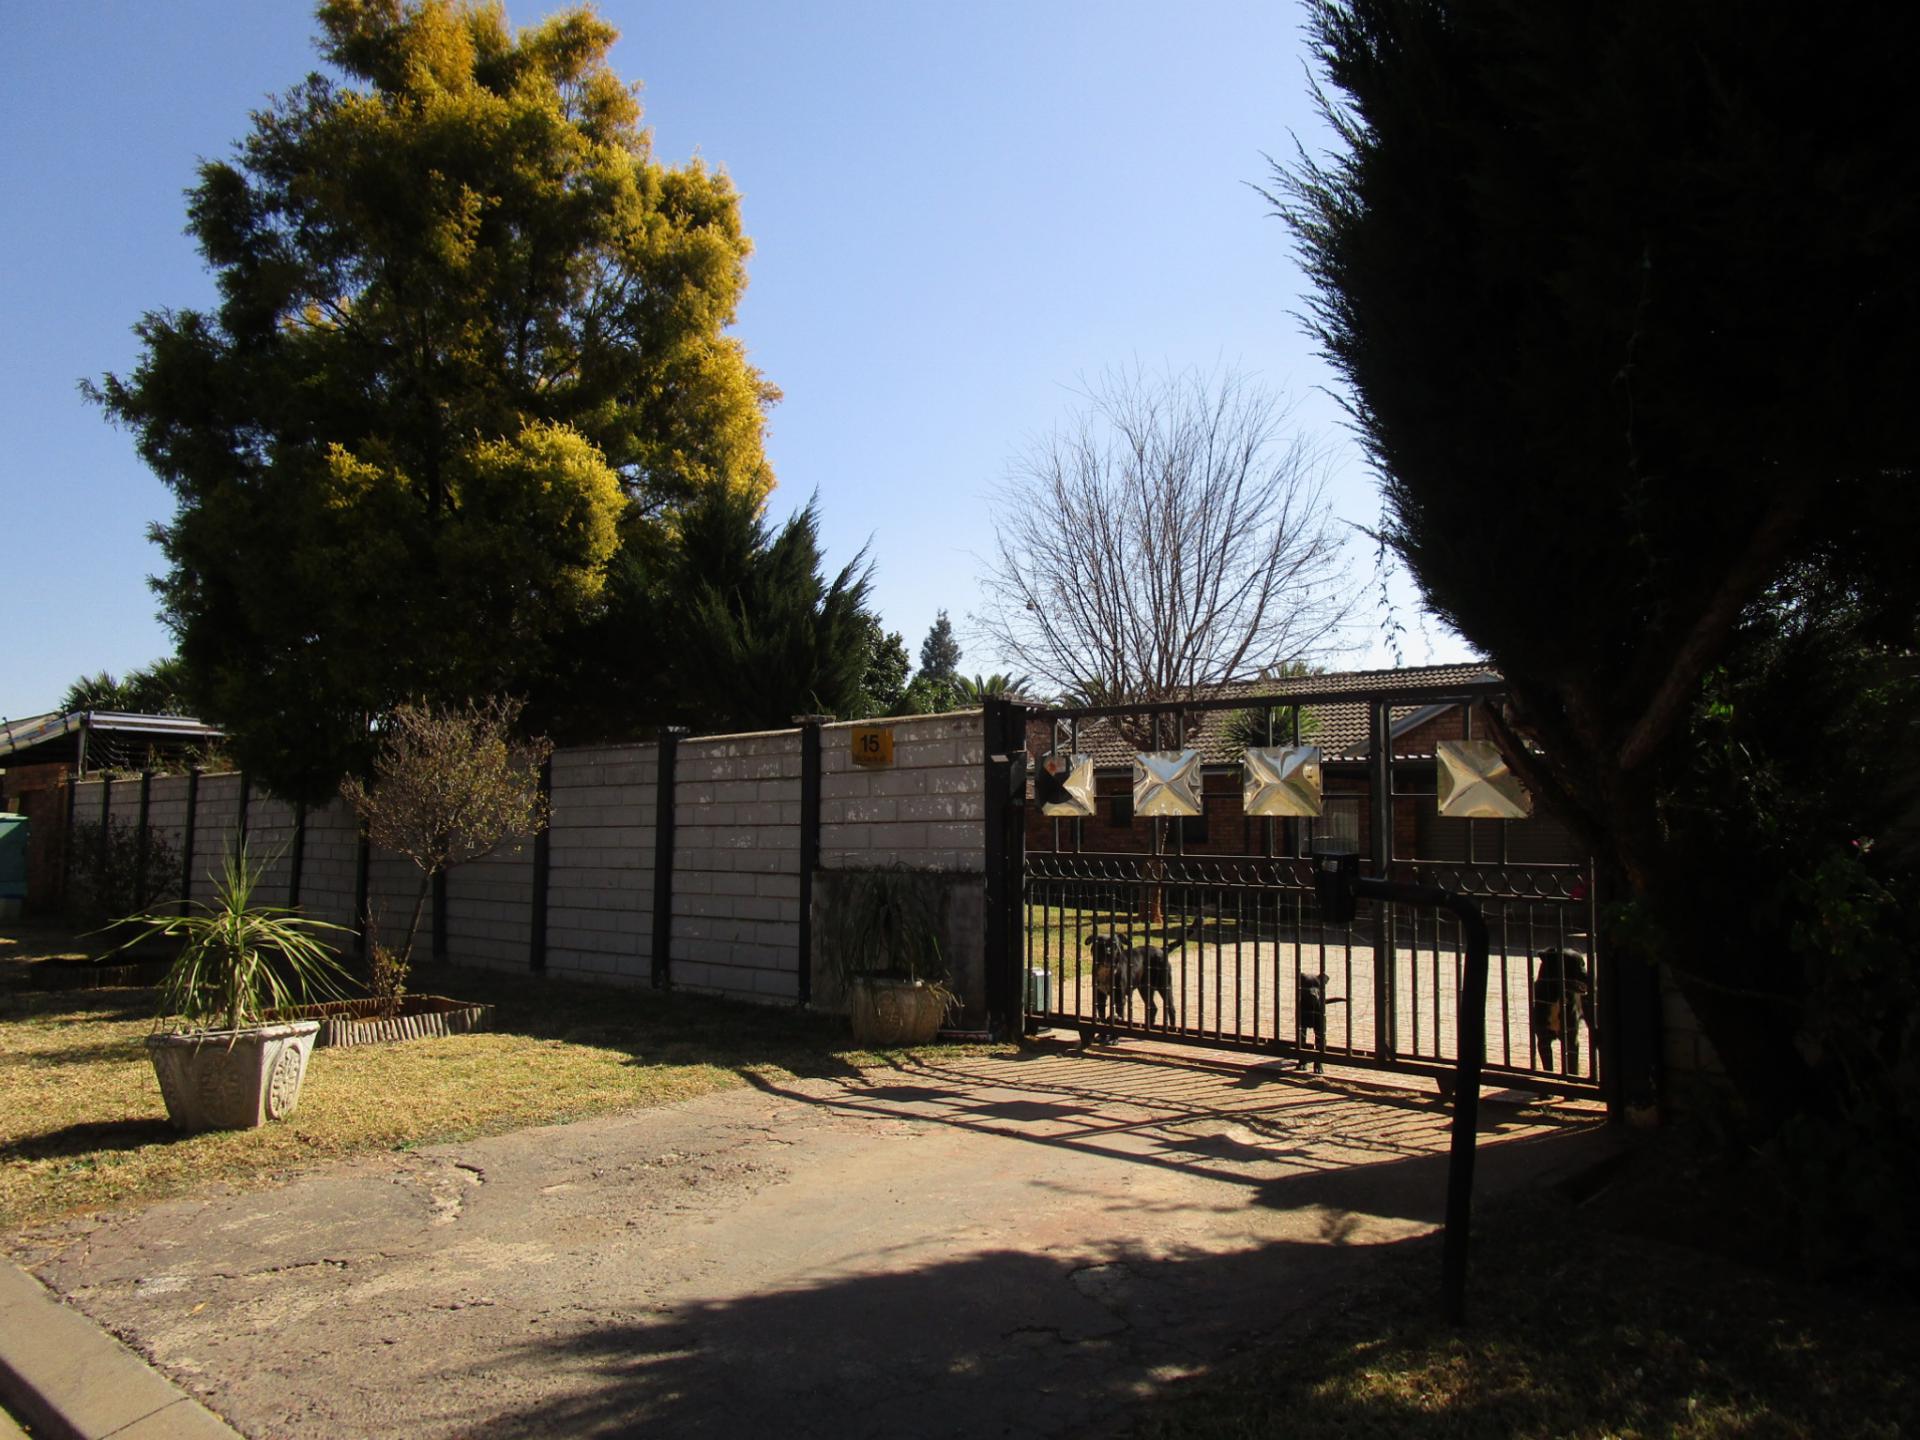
1123, 809
1193, 828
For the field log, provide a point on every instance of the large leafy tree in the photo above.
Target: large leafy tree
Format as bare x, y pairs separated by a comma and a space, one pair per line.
726, 623
884, 684
470, 345
1629, 312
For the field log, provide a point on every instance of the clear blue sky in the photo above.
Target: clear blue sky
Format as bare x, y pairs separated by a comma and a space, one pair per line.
958, 213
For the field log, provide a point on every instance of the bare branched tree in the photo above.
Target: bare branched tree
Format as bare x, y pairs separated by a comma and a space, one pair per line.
450, 784
1174, 537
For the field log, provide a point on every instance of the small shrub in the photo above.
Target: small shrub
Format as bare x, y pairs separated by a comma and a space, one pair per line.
105, 878
387, 972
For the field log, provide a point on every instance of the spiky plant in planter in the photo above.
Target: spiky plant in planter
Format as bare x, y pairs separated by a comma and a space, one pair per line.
223, 1061
881, 942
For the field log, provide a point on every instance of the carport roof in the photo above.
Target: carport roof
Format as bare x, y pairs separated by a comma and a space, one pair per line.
52, 738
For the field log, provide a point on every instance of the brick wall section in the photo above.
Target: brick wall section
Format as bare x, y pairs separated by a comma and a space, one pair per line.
328, 869
600, 876
215, 828
736, 881
393, 889
490, 908
928, 811
736, 865
270, 845
167, 817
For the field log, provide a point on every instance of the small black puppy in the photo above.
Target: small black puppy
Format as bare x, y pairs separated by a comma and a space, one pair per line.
1312, 1015
1562, 998
1121, 970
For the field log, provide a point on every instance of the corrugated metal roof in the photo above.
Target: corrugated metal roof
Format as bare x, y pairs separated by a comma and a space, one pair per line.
41, 738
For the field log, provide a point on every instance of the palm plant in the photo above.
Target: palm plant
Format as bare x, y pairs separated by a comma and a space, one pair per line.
972, 690
239, 963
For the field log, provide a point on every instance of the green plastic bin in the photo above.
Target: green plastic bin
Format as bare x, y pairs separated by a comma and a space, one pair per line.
13, 865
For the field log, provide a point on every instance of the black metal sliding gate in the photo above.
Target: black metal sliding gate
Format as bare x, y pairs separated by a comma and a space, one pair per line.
1242, 934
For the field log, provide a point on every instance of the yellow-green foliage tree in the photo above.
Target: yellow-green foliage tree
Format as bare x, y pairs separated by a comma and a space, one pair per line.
471, 342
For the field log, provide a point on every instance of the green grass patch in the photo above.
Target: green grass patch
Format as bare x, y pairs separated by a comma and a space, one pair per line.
83, 1126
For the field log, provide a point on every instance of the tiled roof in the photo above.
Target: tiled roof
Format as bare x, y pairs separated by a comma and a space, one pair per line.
1340, 730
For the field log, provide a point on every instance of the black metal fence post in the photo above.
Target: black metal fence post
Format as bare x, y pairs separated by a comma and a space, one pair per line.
299, 854
1003, 776
663, 856
100, 849
1339, 884
542, 871
186, 849
67, 839
140, 845
809, 842
362, 900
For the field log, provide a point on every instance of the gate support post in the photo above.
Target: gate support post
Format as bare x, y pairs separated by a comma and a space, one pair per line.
1339, 883
1004, 775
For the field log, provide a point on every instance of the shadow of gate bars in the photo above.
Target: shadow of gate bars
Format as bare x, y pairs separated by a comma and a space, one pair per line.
1230, 901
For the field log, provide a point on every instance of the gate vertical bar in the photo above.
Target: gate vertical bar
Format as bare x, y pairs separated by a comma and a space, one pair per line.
809, 844
542, 870
1380, 772
663, 856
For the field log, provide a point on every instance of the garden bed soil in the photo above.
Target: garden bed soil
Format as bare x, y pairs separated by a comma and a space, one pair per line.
360, 1022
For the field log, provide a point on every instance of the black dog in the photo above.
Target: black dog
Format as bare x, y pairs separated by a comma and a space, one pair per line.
1312, 1015
1121, 970
1562, 998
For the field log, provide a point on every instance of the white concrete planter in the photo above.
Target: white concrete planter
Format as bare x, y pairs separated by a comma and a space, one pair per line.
232, 1079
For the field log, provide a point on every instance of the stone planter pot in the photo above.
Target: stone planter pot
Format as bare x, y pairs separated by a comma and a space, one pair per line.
895, 1012
232, 1079
359, 1022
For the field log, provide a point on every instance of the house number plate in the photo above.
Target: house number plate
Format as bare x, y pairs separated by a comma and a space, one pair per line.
873, 746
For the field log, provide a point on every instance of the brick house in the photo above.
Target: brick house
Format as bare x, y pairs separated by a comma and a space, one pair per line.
1340, 730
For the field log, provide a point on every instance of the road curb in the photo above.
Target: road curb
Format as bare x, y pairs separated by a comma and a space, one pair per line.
70, 1380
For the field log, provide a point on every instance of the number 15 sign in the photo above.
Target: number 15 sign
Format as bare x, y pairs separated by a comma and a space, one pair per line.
873, 746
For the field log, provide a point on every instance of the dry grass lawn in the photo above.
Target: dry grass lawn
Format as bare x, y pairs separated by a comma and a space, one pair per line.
1602, 1321
83, 1127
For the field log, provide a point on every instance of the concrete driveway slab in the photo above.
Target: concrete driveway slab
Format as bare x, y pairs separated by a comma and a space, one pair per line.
998, 1246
